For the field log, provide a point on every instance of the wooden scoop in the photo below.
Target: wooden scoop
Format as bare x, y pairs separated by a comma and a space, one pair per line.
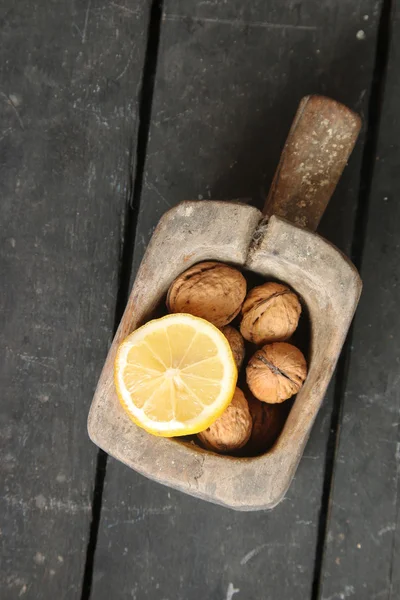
277, 244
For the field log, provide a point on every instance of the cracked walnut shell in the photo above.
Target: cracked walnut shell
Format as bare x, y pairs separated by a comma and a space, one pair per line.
276, 372
232, 429
236, 343
211, 290
271, 313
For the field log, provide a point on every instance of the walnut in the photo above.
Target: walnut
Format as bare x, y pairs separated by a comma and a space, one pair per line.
271, 313
268, 420
210, 290
276, 372
232, 429
236, 343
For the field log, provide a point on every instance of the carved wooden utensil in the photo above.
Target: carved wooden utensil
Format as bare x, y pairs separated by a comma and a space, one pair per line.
319, 143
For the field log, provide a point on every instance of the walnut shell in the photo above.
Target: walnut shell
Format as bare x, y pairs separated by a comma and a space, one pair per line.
211, 290
236, 343
276, 372
271, 313
232, 429
268, 420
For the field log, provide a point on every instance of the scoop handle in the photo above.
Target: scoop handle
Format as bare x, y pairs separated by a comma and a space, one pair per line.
316, 151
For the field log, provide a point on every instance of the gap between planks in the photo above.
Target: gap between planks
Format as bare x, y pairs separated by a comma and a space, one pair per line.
359, 235
137, 158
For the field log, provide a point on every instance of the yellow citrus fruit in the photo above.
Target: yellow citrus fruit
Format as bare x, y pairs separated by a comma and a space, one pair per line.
175, 375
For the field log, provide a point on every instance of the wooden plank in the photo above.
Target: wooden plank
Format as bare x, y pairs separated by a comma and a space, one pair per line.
230, 76
363, 541
70, 75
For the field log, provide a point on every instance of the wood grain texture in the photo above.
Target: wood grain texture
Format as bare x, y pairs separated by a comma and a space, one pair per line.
363, 541
69, 80
228, 85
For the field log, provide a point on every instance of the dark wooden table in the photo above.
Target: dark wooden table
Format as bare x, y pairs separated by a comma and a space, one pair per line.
111, 112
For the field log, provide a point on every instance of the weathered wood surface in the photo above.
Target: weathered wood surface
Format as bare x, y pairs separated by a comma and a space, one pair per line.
70, 75
363, 542
317, 150
229, 79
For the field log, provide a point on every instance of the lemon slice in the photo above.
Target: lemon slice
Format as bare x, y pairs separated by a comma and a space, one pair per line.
175, 375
